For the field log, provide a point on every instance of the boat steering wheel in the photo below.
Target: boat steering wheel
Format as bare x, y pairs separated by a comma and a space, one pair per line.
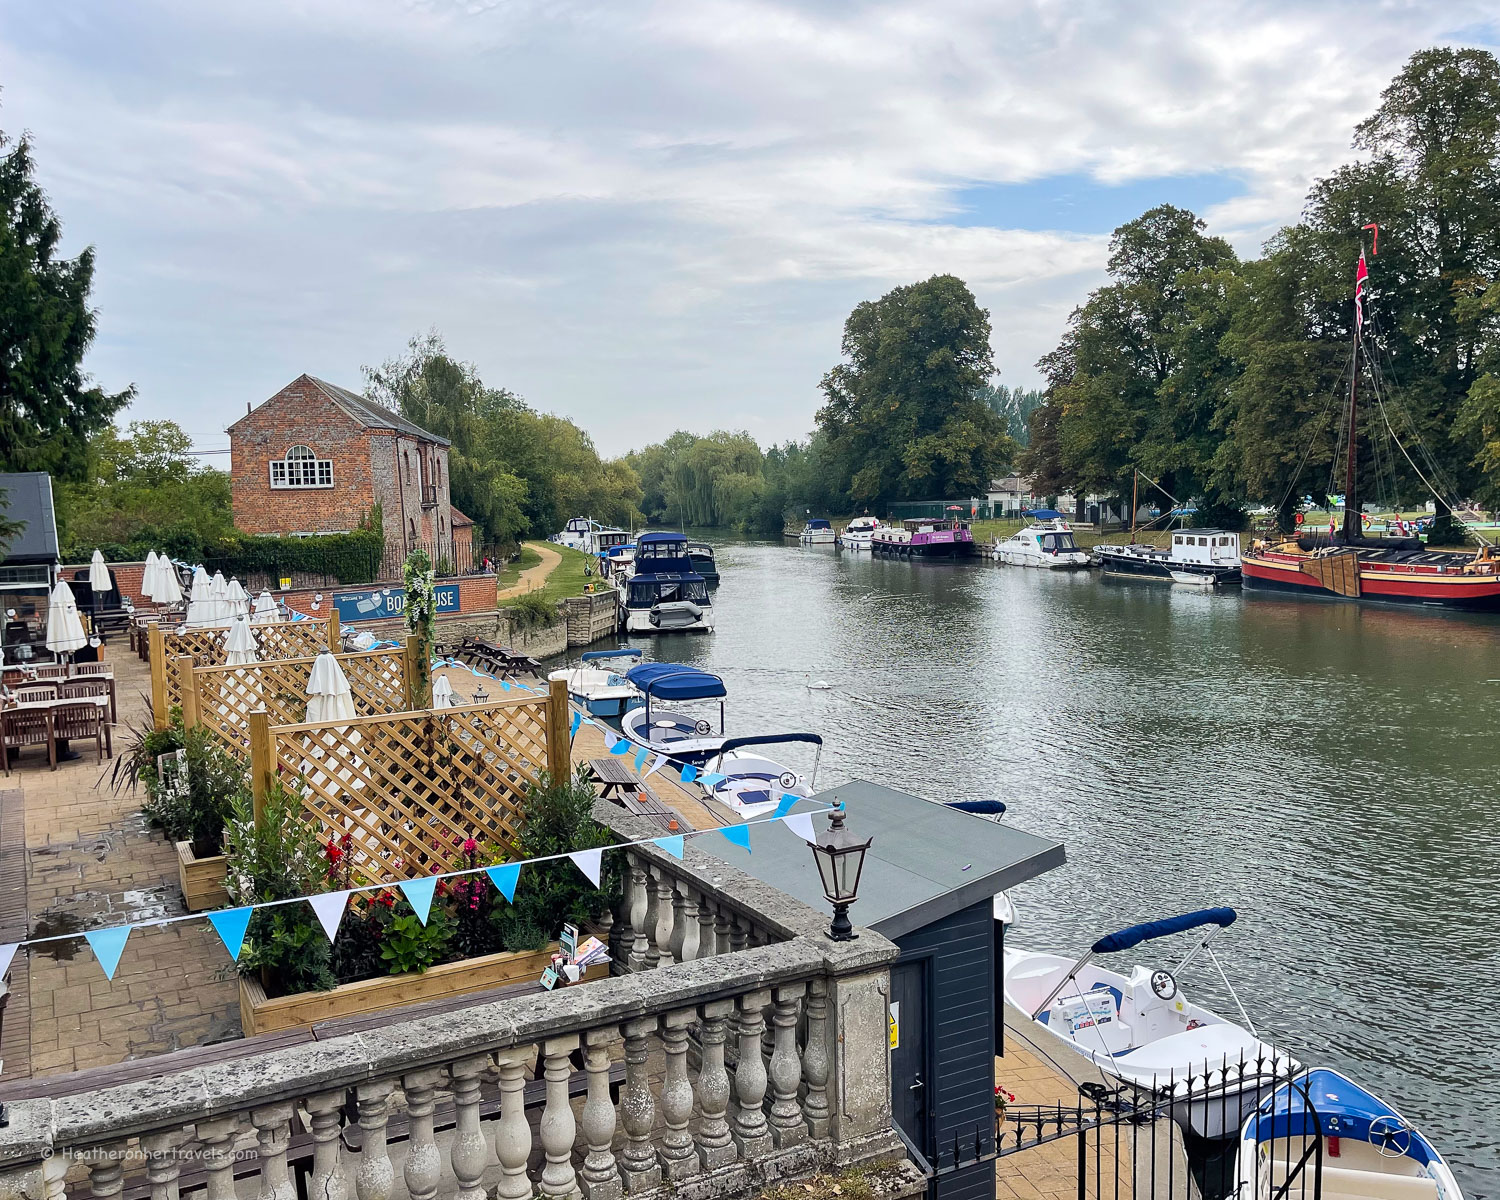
703, 728
1164, 985
788, 781
1391, 1137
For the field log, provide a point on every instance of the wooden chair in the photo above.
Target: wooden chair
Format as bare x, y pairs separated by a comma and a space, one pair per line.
81, 670
21, 727
84, 719
102, 684
31, 693
51, 671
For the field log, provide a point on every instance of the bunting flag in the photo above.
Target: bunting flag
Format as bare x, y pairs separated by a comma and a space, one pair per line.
620, 747
656, 765
672, 845
504, 877
573, 728
712, 779
418, 893
9, 952
689, 773
787, 800
230, 924
108, 945
329, 908
588, 862
737, 834
801, 824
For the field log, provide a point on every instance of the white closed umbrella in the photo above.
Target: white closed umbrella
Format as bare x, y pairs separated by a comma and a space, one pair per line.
218, 598
239, 647
200, 603
169, 591
328, 694
64, 629
239, 599
99, 580
265, 609
442, 692
149, 576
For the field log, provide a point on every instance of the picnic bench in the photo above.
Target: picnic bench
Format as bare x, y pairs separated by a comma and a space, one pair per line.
618, 783
500, 660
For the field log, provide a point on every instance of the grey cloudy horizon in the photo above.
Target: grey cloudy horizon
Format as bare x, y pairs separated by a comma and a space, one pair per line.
649, 216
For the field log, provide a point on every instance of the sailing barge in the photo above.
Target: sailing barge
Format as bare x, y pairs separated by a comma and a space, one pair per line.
1350, 566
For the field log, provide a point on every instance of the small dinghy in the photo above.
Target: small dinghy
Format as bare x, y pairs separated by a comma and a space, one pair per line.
1141, 1029
1322, 1133
753, 785
681, 736
599, 689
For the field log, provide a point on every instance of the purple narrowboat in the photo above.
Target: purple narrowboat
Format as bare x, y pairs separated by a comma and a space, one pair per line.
924, 537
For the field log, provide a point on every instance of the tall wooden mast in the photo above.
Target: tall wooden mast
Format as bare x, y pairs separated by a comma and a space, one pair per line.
1351, 475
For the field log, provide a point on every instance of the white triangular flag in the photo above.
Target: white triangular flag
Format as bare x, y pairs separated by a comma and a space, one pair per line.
588, 863
801, 824
656, 765
330, 909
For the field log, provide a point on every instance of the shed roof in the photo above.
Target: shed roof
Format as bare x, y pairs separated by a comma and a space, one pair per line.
28, 498
368, 414
926, 861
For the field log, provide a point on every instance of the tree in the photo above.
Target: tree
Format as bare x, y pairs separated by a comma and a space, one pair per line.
47, 404
902, 416
1015, 405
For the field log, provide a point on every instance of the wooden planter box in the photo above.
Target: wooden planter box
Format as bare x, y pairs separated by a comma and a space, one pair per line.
260, 1014
202, 879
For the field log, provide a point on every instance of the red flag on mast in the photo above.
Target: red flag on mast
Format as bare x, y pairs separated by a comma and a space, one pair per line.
1360, 276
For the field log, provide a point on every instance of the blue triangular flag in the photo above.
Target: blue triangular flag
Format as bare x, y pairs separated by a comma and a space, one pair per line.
787, 800
230, 924
577, 721
418, 893
712, 779
640, 757
672, 845
504, 877
738, 834
689, 773
504, 685
108, 945
620, 747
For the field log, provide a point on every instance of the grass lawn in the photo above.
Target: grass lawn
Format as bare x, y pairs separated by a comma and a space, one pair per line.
510, 573
567, 578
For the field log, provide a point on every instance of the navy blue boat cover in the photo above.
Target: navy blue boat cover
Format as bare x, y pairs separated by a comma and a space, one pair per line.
1044, 514
652, 539
673, 681
1144, 932
818, 523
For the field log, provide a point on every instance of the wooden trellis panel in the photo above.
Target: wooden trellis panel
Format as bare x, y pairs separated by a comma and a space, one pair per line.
276, 639
410, 787
226, 696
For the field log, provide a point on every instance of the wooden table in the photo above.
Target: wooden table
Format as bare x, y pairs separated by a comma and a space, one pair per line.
6, 747
618, 782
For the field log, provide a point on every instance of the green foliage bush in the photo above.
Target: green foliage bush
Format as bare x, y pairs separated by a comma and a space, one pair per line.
532, 610
197, 808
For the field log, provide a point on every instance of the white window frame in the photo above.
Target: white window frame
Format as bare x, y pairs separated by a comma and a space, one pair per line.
291, 472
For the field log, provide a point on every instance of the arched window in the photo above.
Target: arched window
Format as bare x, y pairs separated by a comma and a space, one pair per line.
301, 468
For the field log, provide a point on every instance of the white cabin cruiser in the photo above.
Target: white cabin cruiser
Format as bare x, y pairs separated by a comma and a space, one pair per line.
1047, 543
681, 736
575, 534
1141, 1029
602, 539
817, 532
599, 688
665, 594
1321, 1131
1200, 557
858, 533
753, 785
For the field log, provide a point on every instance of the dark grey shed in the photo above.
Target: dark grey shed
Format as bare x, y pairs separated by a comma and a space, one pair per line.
929, 884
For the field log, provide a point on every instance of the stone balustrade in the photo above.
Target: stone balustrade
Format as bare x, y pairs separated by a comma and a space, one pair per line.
752, 1049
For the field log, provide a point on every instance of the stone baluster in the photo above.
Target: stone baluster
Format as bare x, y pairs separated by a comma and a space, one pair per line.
751, 1133
786, 1067
163, 1162
424, 1163
600, 1175
815, 1060
606, 924
665, 894
375, 1175
621, 932
273, 1130
217, 1136
739, 931
513, 1134
558, 1126
679, 919
651, 954
715, 1145
469, 1154
328, 1180
678, 1158
638, 1109
688, 915
707, 941
723, 925
107, 1170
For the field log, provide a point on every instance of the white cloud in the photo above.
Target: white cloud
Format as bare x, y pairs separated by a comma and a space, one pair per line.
641, 215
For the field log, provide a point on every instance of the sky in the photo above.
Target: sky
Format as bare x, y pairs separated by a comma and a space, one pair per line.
650, 216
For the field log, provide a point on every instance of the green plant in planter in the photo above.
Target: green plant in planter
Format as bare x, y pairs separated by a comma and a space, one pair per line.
410, 945
141, 745
195, 807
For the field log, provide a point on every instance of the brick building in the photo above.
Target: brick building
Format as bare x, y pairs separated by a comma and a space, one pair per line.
316, 458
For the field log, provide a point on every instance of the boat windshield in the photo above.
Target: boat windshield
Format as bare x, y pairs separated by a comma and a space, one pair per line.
646, 592
1058, 542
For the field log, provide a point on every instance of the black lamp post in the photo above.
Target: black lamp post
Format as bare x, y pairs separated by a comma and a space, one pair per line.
840, 857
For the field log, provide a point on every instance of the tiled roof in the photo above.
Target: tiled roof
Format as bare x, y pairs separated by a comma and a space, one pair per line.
373, 416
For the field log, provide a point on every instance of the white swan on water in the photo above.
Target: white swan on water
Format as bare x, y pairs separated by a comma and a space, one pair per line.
822, 685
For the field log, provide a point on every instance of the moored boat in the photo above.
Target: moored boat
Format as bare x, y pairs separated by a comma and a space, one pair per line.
704, 564
924, 538
1046, 543
575, 534
754, 785
817, 532
1200, 557
1321, 1132
858, 532
1142, 1030
667, 603
679, 735
597, 687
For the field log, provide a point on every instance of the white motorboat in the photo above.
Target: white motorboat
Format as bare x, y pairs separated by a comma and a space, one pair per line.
1321, 1132
664, 593
575, 534
858, 533
1141, 1029
1047, 543
679, 735
817, 532
1198, 557
753, 785
603, 538
601, 690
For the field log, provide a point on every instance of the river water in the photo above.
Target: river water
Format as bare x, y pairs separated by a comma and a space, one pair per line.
1329, 770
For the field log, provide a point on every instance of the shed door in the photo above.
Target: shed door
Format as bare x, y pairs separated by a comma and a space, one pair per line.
911, 1078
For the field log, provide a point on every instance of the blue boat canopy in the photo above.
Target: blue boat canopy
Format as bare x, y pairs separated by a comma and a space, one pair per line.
770, 739
1148, 930
1044, 514
818, 523
651, 539
984, 808
591, 655
673, 681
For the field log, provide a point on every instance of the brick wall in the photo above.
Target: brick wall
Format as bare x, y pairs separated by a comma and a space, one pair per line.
403, 466
300, 414
127, 577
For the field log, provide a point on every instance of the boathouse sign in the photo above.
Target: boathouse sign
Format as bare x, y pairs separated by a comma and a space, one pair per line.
377, 604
